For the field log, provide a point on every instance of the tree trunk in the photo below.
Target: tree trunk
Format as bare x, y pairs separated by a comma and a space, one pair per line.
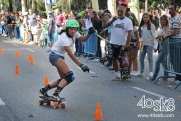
95, 5
48, 7
65, 5
33, 5
10, 6
24, 7
112, 6
136, 8
146, 5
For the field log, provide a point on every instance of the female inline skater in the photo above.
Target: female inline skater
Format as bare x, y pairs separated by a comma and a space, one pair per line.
64, 44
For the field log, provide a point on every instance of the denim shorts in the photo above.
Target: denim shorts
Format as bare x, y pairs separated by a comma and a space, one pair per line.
51, 36
53, 57
133, 46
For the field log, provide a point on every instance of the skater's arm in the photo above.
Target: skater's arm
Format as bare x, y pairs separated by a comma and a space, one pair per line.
84, 38
72, 56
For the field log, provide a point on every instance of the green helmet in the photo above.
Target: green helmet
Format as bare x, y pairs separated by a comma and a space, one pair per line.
72, 23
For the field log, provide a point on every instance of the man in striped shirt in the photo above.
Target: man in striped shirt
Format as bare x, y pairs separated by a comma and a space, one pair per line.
174, 30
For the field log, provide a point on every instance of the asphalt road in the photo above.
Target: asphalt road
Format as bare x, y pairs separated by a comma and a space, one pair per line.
19, 94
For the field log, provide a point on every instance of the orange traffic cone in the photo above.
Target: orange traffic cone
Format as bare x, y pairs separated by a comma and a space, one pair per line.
17, 71
31, 62
98, 112
17, 53
2, 50
46, 82
30, 57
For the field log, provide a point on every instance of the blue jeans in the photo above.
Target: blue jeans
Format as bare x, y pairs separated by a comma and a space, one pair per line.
16, 32
158, 61
149, 51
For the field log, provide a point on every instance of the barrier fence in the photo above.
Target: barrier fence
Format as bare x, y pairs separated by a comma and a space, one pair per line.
172, 57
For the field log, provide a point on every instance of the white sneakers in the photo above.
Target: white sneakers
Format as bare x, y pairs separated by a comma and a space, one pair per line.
31, 42
95, 60
133, 73
151, 74
139, 74
143, 74
116, 78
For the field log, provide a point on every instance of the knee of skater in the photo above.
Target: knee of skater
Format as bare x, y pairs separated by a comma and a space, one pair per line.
69, 77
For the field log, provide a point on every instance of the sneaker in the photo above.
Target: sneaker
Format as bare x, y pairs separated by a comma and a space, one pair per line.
139, 74
9, 39
116, 78
30, 43
108, 65
95, 60
152, 78
110, 68
43, 92
55, 97
151, 74
132, 73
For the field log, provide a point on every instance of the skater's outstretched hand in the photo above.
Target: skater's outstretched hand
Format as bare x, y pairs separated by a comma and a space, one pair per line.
84, 68
91, 30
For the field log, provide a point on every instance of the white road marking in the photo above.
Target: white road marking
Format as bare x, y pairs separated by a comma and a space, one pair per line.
30, 50
89, 71
2, 102
15, 45
152, 93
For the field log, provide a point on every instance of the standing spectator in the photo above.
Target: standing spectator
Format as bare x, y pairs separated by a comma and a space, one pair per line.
25, 27
8, 23
17, 27
51, 28
88, 5
134, 48
107, 33
120, 36
87, 18
97, 26
20, 13
147, 30
156, 18
74, 12
32, 27
174, 30
164, 20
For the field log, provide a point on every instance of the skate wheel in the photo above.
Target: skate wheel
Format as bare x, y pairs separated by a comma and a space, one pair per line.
48, 102
40, 102
62, 105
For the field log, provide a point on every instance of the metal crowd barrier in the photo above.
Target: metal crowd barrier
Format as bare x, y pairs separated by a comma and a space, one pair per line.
0, 28
90, 46
172, 57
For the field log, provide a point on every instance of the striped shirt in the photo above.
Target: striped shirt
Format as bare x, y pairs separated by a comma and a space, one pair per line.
175, 23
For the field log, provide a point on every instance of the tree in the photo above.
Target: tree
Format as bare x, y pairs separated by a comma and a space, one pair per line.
112, 6
95, 5
24, 5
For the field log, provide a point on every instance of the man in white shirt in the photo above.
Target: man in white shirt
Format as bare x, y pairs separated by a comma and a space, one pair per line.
120, 36
174, 30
